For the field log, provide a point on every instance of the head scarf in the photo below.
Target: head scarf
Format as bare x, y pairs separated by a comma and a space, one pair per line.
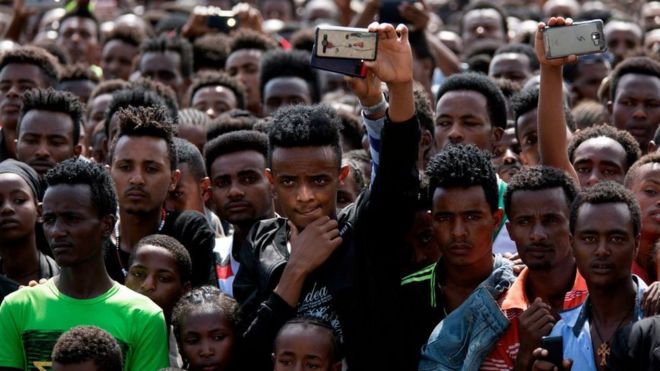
24, 171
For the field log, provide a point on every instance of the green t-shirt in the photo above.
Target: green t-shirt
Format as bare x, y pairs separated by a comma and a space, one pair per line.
32, 319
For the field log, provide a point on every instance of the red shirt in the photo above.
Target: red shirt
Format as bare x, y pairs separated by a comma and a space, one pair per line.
513, 303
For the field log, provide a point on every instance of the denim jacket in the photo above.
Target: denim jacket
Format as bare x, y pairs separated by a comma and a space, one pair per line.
463, 339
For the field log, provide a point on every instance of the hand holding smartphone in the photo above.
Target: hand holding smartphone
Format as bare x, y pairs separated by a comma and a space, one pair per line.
555, 347
344, 49
578, 38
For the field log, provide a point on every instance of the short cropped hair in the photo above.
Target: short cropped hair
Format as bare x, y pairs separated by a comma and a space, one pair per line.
631, 175
481, 4
463, 166
606, 192
624, 138
188, 153
176, 45
242, 140
523, 49
164, 91
295, 63
479, 83
194, 117
74, 172
232, 120
78, 72
207, 79
248, 39
211, 51
527, 100
126, 35
204, 298
539, 178
88, 343
181, 255
305, 126
633, 65
108, 87
53, 101
147, 122
336, 352
34, 56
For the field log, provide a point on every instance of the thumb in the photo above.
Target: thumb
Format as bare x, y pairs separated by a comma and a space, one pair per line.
294, 231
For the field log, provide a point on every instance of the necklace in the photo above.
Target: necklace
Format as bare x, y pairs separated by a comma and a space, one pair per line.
124, 271
604, 348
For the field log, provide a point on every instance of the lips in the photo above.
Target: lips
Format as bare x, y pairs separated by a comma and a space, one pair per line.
59, 246
41, 166
135, 194
459, 248
601, 267
10, 108
9, 223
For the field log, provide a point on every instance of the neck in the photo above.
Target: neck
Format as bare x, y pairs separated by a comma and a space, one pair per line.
20, 257
86, 280
552, 285
645, 254
133, 227
241, 230
10, 141
469, 276
614, 300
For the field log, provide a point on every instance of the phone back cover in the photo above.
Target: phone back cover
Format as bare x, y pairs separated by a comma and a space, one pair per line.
575, 39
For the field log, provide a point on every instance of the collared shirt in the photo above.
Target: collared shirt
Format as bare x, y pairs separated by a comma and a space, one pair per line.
513, 303
574, 328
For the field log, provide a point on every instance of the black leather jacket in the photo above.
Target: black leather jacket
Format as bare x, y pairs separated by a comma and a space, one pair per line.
362, 274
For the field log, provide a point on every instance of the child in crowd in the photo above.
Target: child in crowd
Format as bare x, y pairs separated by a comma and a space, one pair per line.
87, 348
307, 343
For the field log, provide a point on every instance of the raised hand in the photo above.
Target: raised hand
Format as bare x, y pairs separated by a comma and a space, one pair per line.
393, 64
539, 44
535, 322
368, 90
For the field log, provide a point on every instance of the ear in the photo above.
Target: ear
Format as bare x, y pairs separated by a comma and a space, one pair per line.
186, 288
652, 147
609, 106
108, 224
271, 180
508, 226
343, 173
205, 188
497, 217
497, 134
426, 141
77, 150
174, 180
40, 212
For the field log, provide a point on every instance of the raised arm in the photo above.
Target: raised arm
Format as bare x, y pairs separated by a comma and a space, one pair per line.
553, 146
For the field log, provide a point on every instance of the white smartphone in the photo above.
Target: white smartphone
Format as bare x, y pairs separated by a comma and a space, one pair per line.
579, 38
346, 43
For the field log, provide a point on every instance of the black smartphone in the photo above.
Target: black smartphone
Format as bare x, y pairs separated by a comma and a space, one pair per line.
389, 12
555, 347
223, 21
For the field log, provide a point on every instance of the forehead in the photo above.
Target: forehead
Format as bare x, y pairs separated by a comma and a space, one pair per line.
155, 254
115, 44
638, 85
510, 61
603, 217
67, 197
481, 17
472, 198
600, 149
304, 160
216, 91
527, 122
46, 123
156, 61
235, 162
141, 148
76, 23
622, 29
10, 182
304, 340
244, 56
287, 86
21, 71
648, 171
101, 102
462, 102
550, 200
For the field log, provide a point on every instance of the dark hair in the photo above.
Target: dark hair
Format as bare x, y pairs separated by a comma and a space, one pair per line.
205, 298
232, 120
35, 56
53, 101
176, 45
207, 79
606, 192
60, 54
571, 70
133, 97
624, 138
181, 255
188, 153
523, 49
305, 126
147, 122
538, 178
589, 113
463, 166
248, 39
126, 35
211, 51
633, 65
303, 39
310, 322
165, 92
88, 343
351, 130
73, 172
193, 117
78, 72
423, 109
470, 81
480, 4
631, 175
242, 140
527, 100
295, 63
108, 87
80, 12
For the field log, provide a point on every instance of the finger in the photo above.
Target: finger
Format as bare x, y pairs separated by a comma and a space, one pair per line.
329, 225
539, 353
568, 364
402, 30
331, 234
335, 243
373, 27
42, 281
294, 231
387, 31
568, 21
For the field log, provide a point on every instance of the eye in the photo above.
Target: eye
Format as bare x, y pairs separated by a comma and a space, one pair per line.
248, 179
589, 239
443, 123
287, 182
617, 239
582, 169
20, 201
650, 192
530, 140
522, 221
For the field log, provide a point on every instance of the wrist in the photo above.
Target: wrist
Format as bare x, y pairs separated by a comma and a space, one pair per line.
371, 100
373, 107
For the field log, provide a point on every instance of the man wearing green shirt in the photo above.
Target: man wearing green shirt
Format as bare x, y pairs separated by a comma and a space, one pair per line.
78, 215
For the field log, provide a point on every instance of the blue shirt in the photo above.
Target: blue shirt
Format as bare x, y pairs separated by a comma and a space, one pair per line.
574, 330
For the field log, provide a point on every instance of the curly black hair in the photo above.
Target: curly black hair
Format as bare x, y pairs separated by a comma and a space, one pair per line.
524, 49
463, 166
78, 72
108, 87
126, 35
303, 39
539, 178
624, 138
53, 101
178, 45
163, 91
248, 39
304, 126
423, 109
146, 122
188, 153
194, 117
307, 322
74, 172
242, 140
606, 192
527, 100
232, 120
211, 52
88, 343
294, 63
132, 97
50, 69
204, 299
181, 255
351, 130
633, 65
631, 175
55, 50
207, 79
482, 84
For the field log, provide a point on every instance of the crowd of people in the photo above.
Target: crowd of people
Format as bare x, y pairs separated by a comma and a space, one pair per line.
181, 190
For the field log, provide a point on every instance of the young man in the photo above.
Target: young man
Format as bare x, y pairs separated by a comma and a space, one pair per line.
585, 76
78, 215
78, 80
48, 129
143, 167
464, 231
333, 258
624, 39
119, 53
236, 163
79, 34
88, 348
515, 62
286, 78
483, 22
168, 61
538, 202
215, 93
98, 102
21, 69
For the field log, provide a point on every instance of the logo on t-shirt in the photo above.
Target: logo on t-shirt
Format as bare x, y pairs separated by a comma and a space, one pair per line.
317, 302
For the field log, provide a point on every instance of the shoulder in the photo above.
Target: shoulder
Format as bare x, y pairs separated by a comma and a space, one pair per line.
135, 304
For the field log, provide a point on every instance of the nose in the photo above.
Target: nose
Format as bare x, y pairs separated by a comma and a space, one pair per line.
639, 112
458, 228
602, 250
480, 31
510, 157
305, 193
206, 350
537, 233
455, 134
42, 150
6, 208
136, 177
210, 112
594, 177
149, 283
57, 230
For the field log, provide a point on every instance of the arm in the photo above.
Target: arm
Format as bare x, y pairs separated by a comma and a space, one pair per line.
445, 59
368, 14
551, 121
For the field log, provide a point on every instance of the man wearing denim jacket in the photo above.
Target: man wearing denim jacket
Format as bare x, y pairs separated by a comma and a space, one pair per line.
464, 284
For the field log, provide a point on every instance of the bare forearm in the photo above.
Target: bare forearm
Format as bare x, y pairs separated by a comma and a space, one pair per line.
402, 106
367, 16
445, 59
